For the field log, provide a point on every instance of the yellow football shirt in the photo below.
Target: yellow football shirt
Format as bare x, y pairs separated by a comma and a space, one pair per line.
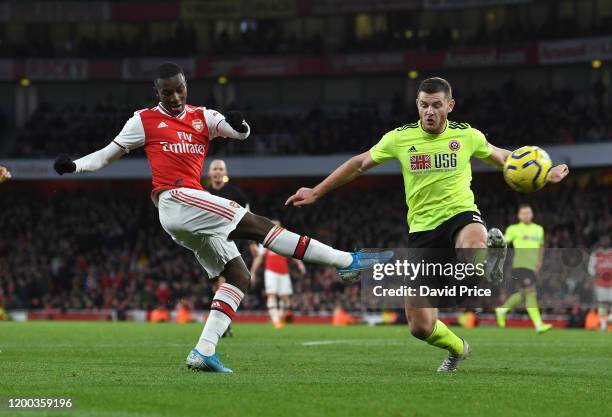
436, 169
527, 240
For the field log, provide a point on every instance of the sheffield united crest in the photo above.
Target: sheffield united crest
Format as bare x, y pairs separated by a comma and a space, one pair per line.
454, 145
197, 125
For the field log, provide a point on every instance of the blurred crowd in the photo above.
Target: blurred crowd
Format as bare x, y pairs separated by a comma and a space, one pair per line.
103, 247
510, 116
271, 37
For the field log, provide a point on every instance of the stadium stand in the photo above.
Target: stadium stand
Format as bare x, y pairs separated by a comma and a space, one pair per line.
101, 246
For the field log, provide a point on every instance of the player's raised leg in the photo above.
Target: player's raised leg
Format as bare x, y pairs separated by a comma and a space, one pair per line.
289, 244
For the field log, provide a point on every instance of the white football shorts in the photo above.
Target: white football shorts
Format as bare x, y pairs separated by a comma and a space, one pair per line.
603, 294
279, 284
202, 223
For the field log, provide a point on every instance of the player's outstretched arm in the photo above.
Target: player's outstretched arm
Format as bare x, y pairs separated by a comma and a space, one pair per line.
346, 172
557, 173
89, 163
232, 125
499, 155
5, 174
132, 136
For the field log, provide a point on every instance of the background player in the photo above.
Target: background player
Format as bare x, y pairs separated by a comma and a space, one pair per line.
527, 238
5, 174
176, 137
600, 267
277, 281
435, 160
219, 186
218, 178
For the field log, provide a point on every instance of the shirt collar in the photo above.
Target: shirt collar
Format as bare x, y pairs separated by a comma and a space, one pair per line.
164, 111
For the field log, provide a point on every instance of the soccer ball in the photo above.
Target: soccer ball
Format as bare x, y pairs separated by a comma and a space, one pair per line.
526, 169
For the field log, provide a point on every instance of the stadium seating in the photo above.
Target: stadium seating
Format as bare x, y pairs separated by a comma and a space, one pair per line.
103, 247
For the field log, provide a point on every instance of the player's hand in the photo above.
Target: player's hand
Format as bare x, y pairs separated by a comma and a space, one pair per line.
5, 174
302, 268
63, 164
236, 121
302, 197
557, 173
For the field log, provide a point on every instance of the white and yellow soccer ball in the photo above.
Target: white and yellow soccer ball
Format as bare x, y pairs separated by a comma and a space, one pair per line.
526, 169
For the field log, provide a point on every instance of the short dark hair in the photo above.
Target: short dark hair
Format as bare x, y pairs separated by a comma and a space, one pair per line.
524, 205
167, 70
435, 85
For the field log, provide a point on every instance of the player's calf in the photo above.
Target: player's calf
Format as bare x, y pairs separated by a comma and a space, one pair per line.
222, 310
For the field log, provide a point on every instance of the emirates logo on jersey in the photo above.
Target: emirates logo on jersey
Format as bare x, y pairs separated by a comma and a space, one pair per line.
197, 125
184, 147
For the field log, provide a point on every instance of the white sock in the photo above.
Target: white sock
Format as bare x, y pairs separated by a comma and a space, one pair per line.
281, 308
603, 316
286, 243
272, 309
222, 310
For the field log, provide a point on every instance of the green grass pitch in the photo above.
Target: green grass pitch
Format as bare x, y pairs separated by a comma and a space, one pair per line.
133, 369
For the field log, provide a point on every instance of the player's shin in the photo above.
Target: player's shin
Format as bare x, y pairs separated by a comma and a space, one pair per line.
531, 302
222, 310
286, 243
603, 318
513, 301
444, 338
272, 308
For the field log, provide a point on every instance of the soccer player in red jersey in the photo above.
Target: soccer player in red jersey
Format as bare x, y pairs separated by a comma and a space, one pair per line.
176, 138
600, 267
277, 281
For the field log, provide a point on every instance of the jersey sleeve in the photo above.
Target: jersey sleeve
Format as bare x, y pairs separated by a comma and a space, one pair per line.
213, 119
132, 135
541, 236
384, 150
480, 146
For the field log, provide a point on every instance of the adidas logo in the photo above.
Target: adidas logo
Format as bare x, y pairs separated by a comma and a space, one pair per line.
412, 149
162, 124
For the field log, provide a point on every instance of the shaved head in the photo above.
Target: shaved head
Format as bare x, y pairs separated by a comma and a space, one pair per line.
217, 173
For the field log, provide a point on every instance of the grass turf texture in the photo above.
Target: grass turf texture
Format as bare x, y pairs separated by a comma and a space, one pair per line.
133, 369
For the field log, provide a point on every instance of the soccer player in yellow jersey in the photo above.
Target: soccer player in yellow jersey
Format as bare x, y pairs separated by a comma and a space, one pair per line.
527, 238
435, 159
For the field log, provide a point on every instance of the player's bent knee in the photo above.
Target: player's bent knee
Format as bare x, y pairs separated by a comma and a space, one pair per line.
252, 226
421, 330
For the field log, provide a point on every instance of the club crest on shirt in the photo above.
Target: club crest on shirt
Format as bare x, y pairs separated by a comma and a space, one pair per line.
454, 145
197, 125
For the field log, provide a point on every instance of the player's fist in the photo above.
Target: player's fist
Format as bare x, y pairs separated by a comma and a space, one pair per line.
557, 173
302, 197
236, 121
5, 174
63, 164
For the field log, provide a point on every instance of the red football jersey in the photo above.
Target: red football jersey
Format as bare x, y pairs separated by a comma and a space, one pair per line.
603, 268
276, 263
175, 145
